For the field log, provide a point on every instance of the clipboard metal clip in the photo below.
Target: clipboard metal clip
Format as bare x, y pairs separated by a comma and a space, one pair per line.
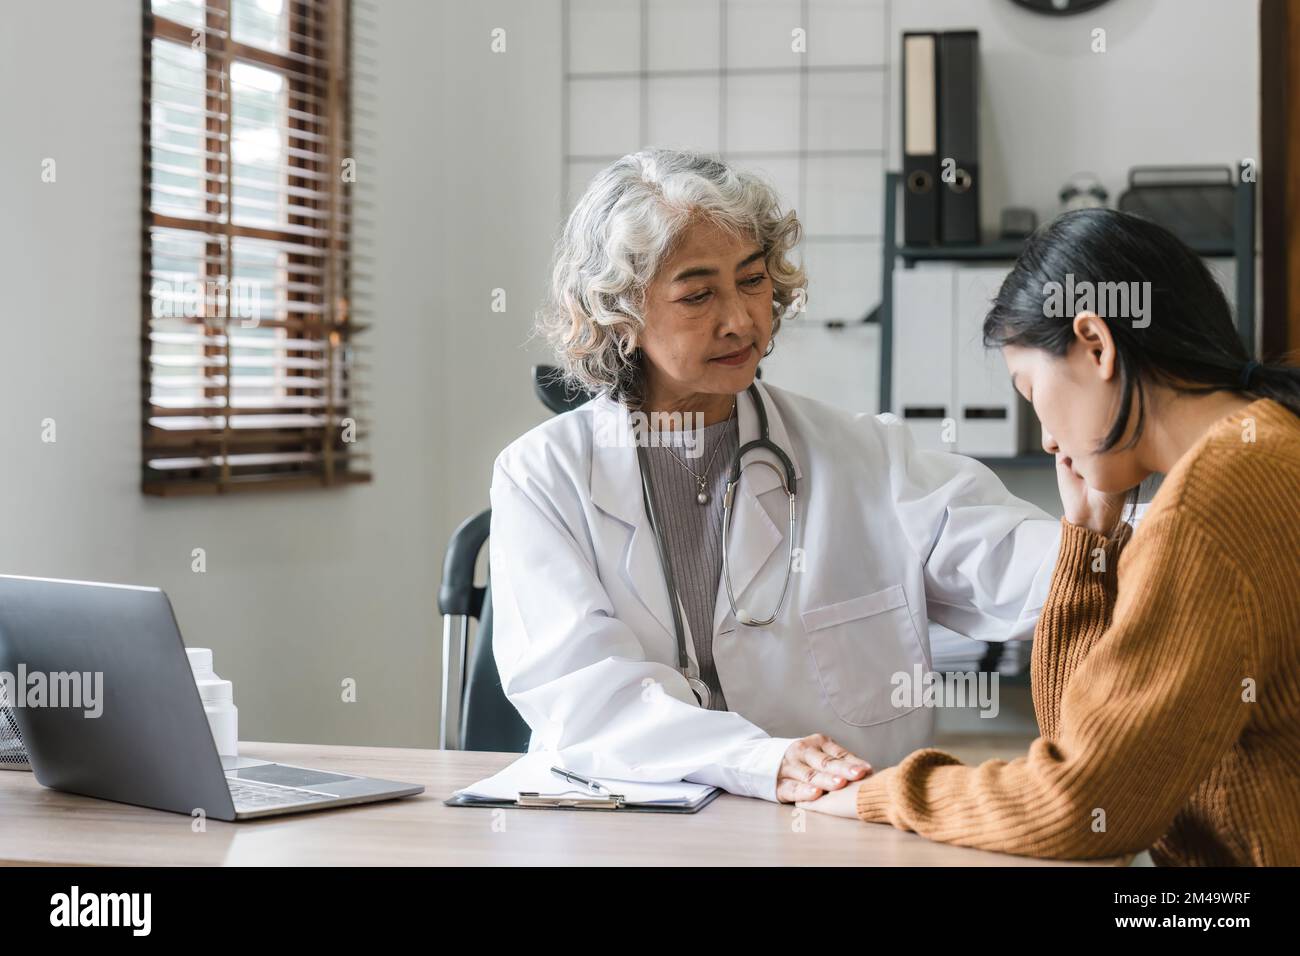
613, 801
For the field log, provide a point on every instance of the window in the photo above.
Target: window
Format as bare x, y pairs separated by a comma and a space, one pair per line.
250, 356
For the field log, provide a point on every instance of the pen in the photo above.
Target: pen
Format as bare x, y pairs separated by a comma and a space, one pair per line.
594, 786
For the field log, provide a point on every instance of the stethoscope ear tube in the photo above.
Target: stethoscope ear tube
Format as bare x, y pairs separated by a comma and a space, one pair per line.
762, 443
685, 665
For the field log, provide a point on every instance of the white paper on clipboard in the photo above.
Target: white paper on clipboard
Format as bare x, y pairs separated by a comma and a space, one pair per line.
531, 773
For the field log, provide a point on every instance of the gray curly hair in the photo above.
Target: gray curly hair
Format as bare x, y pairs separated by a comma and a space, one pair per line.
625, 225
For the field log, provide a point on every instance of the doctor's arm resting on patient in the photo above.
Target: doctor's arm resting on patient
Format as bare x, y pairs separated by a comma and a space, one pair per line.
1151, 641
987, 556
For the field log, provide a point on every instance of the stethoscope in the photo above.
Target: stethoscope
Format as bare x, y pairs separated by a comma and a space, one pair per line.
688, 668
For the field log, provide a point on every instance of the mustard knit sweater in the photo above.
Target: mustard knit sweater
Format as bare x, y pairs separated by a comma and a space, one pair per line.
1166, 681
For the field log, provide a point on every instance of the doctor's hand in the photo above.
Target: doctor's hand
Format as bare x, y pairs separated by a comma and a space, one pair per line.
1097, 511
816, 765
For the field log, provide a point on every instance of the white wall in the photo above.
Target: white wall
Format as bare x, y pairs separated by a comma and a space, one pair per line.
302, 589
305, 589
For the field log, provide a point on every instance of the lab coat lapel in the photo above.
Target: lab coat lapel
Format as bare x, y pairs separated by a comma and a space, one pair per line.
616, 490
754, 535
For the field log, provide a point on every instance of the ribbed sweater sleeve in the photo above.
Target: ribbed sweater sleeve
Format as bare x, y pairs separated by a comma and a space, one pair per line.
1134, 711
1075, 616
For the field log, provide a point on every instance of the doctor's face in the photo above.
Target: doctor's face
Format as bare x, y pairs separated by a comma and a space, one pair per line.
1076, 398
708, 318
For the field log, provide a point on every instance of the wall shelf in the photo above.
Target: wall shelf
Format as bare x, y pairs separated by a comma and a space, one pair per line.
976, 252
1010, 249
1241, 249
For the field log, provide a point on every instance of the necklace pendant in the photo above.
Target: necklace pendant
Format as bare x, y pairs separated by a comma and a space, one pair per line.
703, 496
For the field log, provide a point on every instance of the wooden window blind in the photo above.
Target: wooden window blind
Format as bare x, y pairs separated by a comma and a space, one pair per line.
250, 348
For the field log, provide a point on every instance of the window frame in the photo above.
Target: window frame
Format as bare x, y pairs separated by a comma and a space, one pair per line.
317, 90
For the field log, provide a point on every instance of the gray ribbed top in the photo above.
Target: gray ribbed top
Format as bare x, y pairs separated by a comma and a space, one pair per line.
692, 532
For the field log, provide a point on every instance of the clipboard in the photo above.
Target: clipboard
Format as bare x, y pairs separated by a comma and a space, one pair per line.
539, 781
571, 800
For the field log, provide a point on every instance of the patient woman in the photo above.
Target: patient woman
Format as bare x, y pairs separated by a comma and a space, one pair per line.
1166, 662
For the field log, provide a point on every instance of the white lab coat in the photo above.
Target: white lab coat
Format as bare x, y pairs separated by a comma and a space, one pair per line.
890, 535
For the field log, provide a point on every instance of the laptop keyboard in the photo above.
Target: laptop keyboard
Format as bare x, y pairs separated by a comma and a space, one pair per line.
250, 795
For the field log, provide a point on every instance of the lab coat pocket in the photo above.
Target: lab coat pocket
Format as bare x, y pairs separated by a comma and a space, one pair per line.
858, 646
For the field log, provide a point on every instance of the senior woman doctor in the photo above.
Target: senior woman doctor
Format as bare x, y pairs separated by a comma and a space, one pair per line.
670, 281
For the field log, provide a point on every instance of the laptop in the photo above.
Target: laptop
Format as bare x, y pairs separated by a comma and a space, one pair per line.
104, 698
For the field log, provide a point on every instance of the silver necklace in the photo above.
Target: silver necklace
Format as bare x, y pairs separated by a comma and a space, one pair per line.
702, 480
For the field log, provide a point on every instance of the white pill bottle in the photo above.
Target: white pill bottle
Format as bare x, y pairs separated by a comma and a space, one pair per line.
218, 698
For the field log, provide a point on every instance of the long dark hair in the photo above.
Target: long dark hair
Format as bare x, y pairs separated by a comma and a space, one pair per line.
1189, 344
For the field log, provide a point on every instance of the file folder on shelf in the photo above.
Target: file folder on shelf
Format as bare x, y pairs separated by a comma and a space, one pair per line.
956, 395
920, 139
989, 410
923, 338
959, 179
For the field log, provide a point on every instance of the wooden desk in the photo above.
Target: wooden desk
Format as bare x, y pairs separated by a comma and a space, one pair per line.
44, 826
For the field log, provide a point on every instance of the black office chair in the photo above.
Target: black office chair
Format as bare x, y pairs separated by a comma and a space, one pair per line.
476, 714
554, 392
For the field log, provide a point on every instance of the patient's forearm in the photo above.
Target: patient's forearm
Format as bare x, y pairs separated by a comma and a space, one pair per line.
1076, 613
